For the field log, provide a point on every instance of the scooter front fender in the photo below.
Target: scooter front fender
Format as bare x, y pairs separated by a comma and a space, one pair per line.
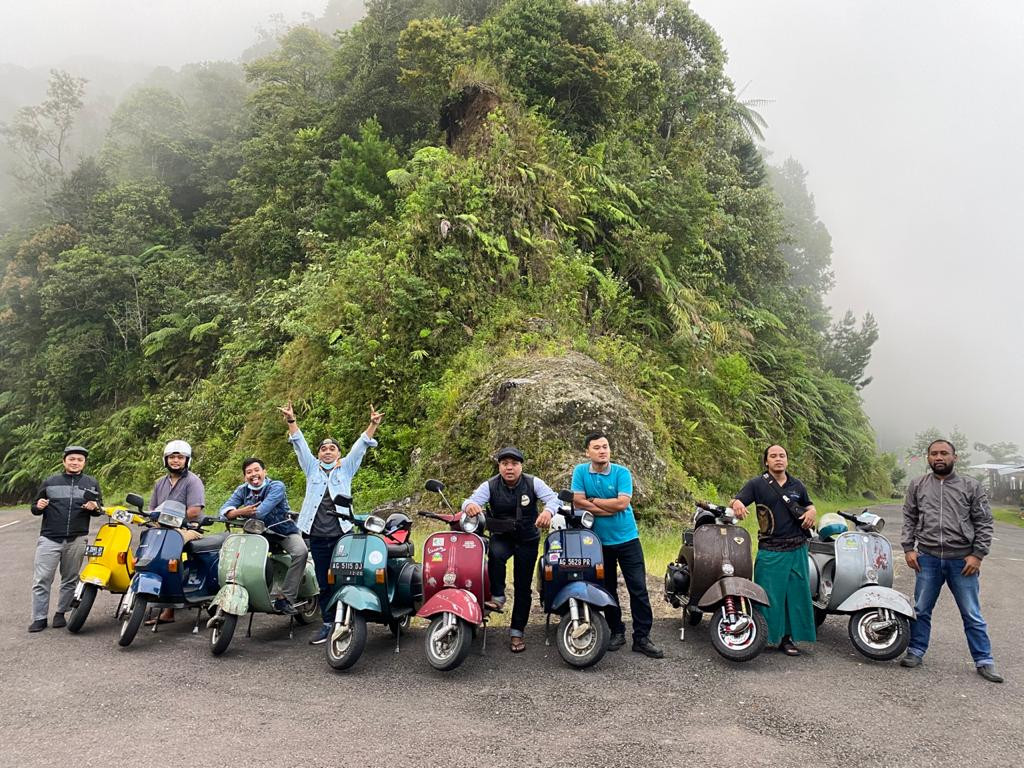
95, 573
233, 599
581, 590
455, 601
359, 598
875, 596
147, 584
733, 586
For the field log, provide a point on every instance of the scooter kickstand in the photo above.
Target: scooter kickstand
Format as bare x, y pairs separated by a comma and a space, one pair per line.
398, 636
248, 632
483, 646
291, 627
195, 627
547, 630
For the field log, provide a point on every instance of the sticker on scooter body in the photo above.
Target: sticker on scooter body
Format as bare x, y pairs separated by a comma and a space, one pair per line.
376, 557
93, 551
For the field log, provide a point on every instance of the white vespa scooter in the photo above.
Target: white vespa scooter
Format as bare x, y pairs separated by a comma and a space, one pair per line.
851, 572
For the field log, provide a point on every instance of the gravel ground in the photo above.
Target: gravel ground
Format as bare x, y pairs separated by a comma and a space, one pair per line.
272, 700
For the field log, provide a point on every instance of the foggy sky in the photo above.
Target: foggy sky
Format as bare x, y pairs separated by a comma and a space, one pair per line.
906, 116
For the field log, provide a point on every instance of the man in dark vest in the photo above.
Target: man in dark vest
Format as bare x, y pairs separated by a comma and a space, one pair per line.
514, 524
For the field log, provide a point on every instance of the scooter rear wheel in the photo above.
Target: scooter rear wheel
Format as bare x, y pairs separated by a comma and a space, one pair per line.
308, 612
879, 645
742, 646
222, 632
345, 651
448, 652
132, 622
819, 616
585, 651
81, 611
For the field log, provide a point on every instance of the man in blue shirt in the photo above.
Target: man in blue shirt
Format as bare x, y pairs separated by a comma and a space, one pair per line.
327, 475
266, 500
605, 489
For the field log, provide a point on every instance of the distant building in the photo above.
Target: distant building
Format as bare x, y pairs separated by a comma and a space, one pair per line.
1005, 482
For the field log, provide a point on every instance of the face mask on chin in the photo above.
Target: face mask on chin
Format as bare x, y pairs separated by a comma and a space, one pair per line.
327, 466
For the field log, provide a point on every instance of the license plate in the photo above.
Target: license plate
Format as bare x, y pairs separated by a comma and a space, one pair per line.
123, 516
575, 562
347, 567
93, 551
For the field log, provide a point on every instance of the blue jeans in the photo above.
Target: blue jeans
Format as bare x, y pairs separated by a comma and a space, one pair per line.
966, 589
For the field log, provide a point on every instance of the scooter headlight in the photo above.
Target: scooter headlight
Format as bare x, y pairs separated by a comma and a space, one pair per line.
374, 524
472, 523
587, 519
254, 525
171, 521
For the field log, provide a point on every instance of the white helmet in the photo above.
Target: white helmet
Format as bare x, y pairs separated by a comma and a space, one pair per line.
178, 446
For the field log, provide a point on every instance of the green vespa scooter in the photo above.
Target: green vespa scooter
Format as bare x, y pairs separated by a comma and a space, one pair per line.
249, 575
375, 579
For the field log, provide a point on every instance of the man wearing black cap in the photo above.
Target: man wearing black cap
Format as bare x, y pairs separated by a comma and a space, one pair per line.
65, 512
513, 523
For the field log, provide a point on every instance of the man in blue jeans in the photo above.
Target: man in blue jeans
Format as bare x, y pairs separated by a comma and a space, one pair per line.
606, 489
947, 530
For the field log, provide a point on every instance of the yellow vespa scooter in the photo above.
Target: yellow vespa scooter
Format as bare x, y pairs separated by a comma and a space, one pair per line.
111, 562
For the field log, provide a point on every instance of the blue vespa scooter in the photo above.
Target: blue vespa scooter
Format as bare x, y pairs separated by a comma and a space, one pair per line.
570, 578
169, 573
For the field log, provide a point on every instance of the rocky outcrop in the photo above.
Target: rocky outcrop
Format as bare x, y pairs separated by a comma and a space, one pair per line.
545, 406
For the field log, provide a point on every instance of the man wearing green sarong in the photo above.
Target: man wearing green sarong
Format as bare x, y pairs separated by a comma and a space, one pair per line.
785, 514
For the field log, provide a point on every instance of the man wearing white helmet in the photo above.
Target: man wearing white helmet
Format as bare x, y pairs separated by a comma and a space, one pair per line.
179, 485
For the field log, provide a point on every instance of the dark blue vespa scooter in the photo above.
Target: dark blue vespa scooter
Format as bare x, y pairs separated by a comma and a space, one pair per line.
570, 578
169, 573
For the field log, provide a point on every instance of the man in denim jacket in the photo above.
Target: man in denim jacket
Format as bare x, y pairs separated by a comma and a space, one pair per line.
327, 475
947, 530
266, 500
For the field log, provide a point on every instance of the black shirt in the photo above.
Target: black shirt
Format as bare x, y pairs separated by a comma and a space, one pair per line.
325, 524
777, 527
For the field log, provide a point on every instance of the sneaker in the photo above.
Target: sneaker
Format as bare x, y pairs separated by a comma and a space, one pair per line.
37, 626
284, 605
647, 648
912, 660
322, 635
988, 671
59, 621
618, 639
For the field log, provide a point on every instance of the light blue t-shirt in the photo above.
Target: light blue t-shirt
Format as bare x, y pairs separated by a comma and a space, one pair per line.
613, 529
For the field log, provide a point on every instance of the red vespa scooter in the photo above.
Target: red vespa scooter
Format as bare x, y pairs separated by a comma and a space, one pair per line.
455, 585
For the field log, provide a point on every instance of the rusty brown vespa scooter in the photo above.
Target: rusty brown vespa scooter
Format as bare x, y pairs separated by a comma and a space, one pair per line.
712, 574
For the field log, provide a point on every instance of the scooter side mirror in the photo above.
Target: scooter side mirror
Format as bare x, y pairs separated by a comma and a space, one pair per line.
566, 495
134, 500
90, 495
434, 486
343, 501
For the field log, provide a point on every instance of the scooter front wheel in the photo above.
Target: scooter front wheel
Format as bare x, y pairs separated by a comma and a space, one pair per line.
223, 631
739, 643
81, 611
589, 647
447, 645
344, 649
879, 634
132, 622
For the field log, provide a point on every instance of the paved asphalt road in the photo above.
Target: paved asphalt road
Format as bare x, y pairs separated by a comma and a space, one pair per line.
273, 701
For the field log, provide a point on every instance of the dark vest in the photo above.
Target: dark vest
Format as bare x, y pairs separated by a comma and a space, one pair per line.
508, 512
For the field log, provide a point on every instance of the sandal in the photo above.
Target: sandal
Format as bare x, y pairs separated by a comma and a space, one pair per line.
152, 622
494, 606
517, 645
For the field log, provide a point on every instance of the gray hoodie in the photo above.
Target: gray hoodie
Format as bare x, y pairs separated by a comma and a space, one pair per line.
947, 517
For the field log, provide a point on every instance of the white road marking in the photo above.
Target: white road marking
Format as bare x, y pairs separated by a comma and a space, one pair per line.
7, 525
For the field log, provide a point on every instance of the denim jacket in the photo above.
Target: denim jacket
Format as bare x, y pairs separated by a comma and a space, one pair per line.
339, 480
273, 506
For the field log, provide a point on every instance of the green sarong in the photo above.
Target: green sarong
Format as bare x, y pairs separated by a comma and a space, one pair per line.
783, 575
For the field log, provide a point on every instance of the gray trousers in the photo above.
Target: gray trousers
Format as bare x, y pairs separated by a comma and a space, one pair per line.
49, 554
296, 547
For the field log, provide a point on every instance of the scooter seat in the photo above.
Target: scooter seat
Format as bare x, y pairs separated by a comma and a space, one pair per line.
206, 544
821, 547
400, 550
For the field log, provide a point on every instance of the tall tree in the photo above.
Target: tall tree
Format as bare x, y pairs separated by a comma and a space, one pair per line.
848, 350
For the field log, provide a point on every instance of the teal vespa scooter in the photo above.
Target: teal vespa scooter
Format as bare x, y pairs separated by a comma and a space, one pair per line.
250, 574
375, 579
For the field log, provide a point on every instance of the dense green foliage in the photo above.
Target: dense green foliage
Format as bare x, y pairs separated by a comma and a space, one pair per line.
303, 231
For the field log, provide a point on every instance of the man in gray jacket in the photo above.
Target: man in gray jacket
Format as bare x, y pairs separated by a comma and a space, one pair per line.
947, 530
